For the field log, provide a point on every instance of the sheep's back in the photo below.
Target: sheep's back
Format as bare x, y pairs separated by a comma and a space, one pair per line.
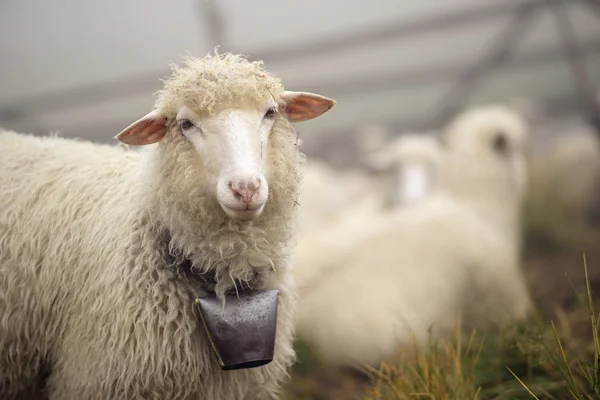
59, 199
415, 272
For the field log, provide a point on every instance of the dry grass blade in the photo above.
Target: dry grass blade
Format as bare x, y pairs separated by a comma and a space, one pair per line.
523, 384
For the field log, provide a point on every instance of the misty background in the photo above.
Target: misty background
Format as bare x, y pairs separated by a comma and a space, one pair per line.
88, 69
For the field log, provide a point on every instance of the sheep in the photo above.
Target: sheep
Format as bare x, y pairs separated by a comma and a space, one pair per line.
566, 162
452, 256
412, 159
371, 137
569, 168
320, 196
327, 192
94, 239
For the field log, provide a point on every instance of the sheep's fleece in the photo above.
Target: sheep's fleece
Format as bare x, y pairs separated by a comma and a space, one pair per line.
85, 288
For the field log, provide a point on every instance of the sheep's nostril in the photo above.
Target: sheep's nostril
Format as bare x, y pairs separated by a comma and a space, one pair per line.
253, 186
243, 194
244, 190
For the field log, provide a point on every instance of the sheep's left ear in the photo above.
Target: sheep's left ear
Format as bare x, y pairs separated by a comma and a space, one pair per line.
303, 106
146, 130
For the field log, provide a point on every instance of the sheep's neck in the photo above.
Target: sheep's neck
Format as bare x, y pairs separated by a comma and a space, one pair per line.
205, 279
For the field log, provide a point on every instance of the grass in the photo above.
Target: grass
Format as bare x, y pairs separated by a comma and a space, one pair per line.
537, 359
581, 376
441, 372
547, 227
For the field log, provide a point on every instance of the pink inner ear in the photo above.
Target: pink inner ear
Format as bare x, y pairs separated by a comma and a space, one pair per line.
146, 130
305, 106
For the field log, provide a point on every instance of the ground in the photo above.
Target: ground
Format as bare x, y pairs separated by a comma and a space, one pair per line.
556, 278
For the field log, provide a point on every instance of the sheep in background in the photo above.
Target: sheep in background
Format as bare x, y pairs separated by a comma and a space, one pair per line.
370, 138
320, 196
452, 256
566, 162
410, 160
93, 237
569, 168
327, 193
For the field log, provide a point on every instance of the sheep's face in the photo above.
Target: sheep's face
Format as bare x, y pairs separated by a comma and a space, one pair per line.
498, 130
232, 145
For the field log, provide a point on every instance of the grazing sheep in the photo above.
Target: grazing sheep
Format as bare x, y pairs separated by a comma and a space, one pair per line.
94, 239
412, 159
453, 255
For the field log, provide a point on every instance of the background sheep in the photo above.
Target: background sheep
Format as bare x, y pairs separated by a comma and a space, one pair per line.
454, 255
568, 168
327, 194
85, 233
410, 161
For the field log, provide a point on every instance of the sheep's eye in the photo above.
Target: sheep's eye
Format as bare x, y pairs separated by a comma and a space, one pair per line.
500, 143
270, 112
185, 124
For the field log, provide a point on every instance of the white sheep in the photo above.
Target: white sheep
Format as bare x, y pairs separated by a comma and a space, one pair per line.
327, 194
565, 162
451, 256
320, 196
86, 284
411, 159
569, 168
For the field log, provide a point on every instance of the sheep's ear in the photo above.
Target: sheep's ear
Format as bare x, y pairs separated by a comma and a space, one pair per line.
303, 106
146, 130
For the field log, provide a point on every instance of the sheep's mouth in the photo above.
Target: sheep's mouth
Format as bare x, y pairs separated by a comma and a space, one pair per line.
247, 211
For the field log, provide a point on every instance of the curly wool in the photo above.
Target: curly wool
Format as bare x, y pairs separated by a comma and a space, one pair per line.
84, 286
215, 83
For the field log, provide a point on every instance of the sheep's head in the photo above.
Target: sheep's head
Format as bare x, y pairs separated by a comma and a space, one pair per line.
412, 159
496, 130
223, 110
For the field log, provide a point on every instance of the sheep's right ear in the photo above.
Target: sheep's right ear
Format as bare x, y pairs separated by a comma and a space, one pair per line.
146, 130
304, 106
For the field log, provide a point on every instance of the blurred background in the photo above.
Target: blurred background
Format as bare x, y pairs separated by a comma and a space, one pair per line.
88, 69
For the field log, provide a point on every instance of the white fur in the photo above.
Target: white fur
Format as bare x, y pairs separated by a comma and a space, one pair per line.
412, 182
569, 170
412, 160
453, 255
235, 142
86, 286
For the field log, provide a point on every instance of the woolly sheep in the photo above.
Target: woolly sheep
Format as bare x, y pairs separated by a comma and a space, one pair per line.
452, 256
569, 168
320, 196
565, 163
411, 159
85, 230
371, 138
326, 193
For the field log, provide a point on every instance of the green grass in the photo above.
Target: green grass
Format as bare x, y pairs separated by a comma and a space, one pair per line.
580, 375
547, 227
541, 358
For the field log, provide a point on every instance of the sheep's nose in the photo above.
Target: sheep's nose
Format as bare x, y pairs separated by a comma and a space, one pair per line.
245, 190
